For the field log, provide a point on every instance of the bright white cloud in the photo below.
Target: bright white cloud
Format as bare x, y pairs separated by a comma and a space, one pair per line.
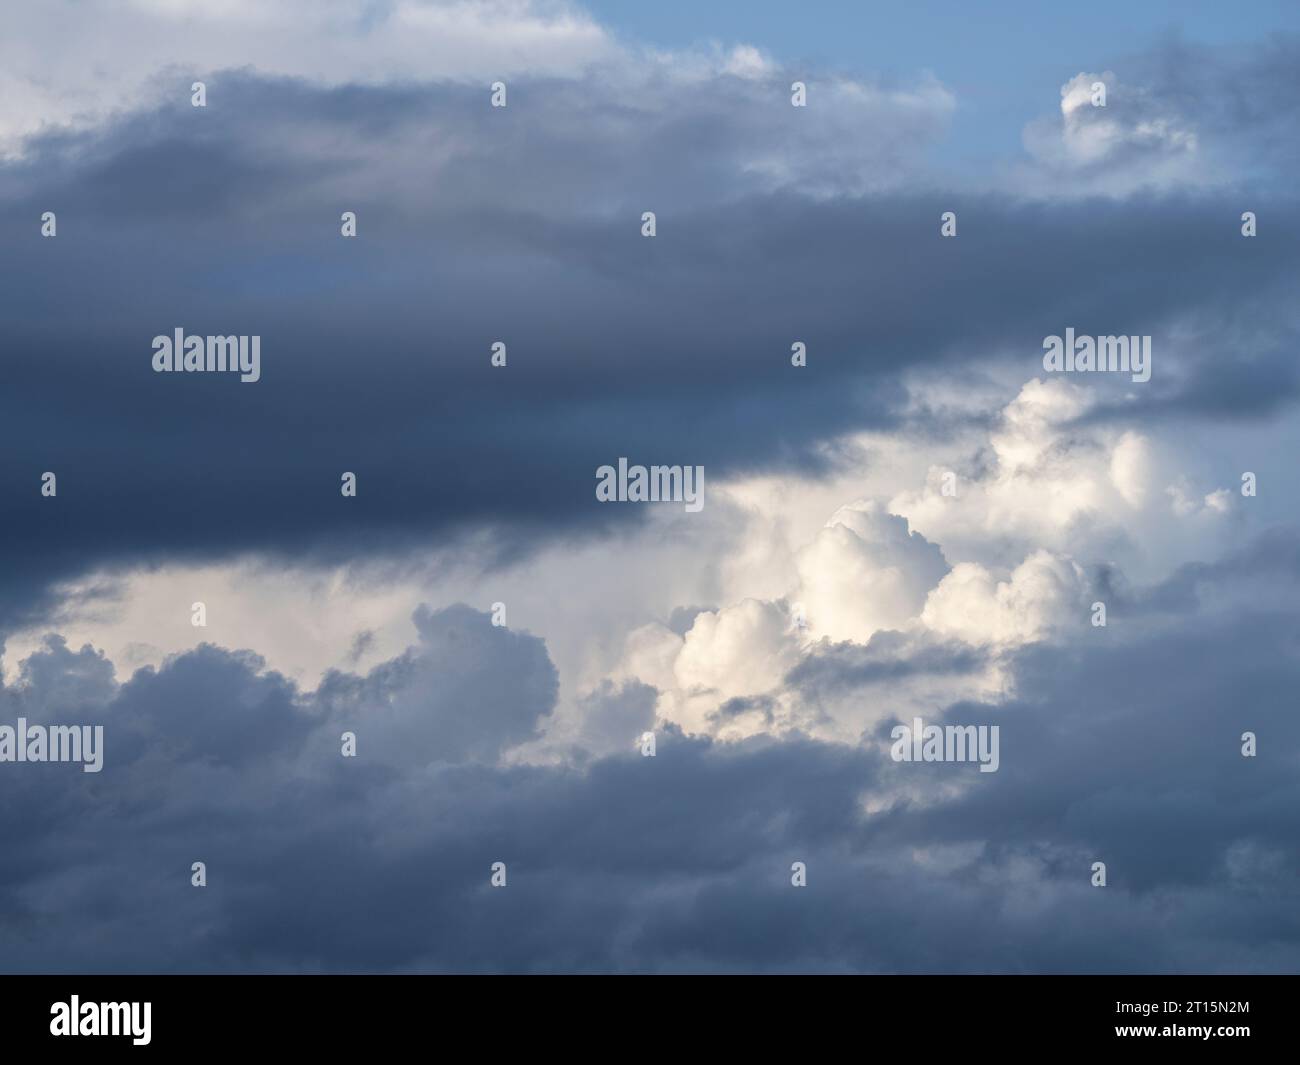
1041, 598
739, 650
865, 571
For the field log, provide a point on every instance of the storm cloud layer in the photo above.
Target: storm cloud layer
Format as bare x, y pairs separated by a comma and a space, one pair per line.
679, 862
522, 225
498, 644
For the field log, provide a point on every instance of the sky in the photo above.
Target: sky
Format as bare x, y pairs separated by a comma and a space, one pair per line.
1001, 62
610, 736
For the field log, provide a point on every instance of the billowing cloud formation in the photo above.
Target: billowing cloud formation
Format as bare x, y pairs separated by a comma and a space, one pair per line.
176, 216
319, 862
916, 523
467, 691
1041, 483
1049, 476
864, 572
1042, 594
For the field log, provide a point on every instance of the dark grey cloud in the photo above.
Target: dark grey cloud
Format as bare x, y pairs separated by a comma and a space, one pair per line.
1124, 748
615, 716
1122, 745
465, 690
1261, 571
836, 668
522, 225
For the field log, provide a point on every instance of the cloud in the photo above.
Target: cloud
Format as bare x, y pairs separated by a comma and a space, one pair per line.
1130, 468
1177, 116
1049, 475
730, 654
865, 571
455, 252
769, 652
1118, 136
668, 863
467, 690
108, 54
1042, 596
